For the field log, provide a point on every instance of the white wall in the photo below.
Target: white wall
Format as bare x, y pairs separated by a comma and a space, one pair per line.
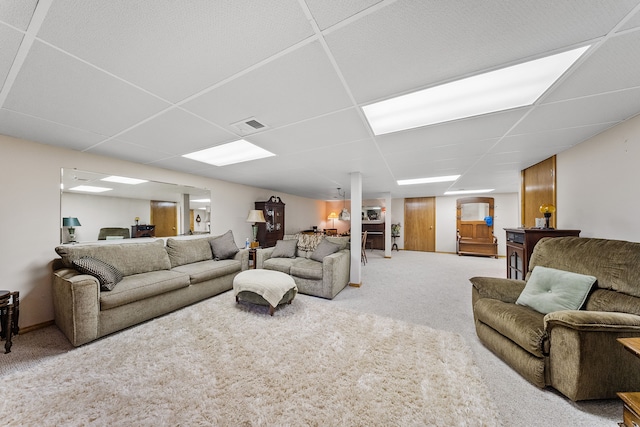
598, 184
30, 215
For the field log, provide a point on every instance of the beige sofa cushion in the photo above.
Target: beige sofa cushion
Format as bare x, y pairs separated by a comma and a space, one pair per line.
206, 270
183, 252
128, 258
141, 286
307, 269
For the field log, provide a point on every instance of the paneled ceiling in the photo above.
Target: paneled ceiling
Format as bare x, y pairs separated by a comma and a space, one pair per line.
149, 81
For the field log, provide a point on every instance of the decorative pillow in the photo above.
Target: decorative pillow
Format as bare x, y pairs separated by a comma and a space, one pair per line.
550, 290
285, 249
324, 248
107, 274
309, 242
224, 246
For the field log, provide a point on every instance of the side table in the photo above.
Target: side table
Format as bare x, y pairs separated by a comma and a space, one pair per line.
9, 313
395, 245
631, 408
252, 258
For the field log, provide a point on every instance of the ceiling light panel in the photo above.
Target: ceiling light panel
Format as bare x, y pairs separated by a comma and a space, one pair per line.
90, 189
457, 192
227, 154
498, 90
124, 180
175, 49
429, 180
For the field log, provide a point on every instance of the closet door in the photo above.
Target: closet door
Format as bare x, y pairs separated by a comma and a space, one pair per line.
420, 224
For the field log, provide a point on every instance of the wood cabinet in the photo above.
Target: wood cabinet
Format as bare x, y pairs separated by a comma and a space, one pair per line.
631, 401
375, 234
143, 231
272, 230
520, 244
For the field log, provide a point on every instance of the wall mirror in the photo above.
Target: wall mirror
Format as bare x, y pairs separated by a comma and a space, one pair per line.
100, 201
474, 211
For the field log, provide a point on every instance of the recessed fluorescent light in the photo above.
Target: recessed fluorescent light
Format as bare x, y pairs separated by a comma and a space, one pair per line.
428, 180
90, 189
452, 193
124, 180
227, 154
202, 200
498, 90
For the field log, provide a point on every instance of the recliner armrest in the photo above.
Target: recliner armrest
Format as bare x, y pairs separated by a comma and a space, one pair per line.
507, 290
597, 321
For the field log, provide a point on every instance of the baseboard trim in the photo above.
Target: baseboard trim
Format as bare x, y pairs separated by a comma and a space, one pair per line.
355, 285
27, 329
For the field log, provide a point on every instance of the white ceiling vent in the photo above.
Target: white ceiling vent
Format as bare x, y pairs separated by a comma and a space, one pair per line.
249, 126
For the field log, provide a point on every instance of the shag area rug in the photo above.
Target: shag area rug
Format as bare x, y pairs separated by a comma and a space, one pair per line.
226, 364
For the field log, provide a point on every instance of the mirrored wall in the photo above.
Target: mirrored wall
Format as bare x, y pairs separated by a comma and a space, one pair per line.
100, 201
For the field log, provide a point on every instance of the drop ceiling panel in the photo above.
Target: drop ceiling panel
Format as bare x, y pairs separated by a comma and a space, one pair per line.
451, 133
126, 151
17, 12
327, 14
56, 87
582, 112
177, 132
10, 43
614, 66
174, 49
294, 87
324, 131
406, 45
633, 22
45, 132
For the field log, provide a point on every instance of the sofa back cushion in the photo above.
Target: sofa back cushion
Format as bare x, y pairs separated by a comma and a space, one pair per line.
183, 252
128, 258
613, 262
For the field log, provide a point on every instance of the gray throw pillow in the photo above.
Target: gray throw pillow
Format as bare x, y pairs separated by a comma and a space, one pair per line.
107, 274
323, 249
224, 246
550, 290
285, 249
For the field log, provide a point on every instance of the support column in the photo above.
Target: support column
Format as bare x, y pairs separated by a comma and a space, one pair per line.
186, 220
387, 226
355, 277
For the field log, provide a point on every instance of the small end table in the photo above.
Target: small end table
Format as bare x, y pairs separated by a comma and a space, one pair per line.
9, 313
395, 245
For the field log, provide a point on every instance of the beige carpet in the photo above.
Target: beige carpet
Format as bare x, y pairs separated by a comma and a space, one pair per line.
219, 363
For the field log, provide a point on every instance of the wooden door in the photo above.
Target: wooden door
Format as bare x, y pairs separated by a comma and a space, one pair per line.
420, 224
538, 187
164, 215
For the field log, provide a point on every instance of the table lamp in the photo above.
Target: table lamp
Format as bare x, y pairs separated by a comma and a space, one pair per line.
547, 210
255, 216
333, 216
71, 224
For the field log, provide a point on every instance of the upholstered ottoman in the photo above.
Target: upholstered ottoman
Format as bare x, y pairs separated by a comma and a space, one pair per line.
264, 287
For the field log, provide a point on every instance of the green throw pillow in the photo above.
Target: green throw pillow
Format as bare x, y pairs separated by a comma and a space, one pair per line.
550, 290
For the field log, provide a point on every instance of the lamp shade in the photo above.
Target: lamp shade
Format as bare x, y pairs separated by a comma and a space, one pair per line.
545, 208
70, 222
256, 216
333, 215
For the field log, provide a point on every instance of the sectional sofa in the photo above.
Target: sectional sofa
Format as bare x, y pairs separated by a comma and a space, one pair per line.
99, 289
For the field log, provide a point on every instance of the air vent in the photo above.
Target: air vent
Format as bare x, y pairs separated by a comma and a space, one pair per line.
249, 126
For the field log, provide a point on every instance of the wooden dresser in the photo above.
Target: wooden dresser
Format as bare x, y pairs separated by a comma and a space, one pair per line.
272, 230
520, 244
143, 231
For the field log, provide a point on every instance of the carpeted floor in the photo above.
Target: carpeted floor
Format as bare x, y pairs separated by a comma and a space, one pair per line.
420, 288
219, 363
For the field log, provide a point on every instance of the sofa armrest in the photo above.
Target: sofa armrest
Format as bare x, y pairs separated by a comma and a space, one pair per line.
262, 255
596, 321
243, 257
507, 290
76, 304
336, 270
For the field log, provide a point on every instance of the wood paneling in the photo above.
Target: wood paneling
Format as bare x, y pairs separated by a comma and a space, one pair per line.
538, 187
164, 215
420, 224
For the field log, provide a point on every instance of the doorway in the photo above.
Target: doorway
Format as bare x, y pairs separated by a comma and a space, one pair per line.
420, 224
164, 215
